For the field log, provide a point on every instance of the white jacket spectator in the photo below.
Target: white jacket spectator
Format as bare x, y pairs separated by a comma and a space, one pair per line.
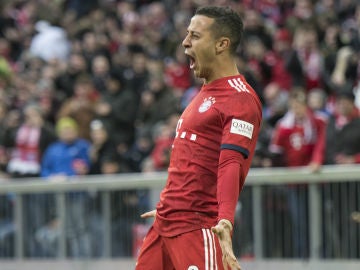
50, 43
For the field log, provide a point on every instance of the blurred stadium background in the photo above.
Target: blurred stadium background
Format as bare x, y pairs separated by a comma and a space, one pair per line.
110, 236
286, 218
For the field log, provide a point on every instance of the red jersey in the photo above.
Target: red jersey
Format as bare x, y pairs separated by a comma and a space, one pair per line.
299, 143
225, 115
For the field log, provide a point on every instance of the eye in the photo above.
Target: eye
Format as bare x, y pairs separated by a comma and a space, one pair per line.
194, 36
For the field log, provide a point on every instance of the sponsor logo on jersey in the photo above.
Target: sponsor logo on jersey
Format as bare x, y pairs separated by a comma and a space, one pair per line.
242, 128
193, 267
206, 104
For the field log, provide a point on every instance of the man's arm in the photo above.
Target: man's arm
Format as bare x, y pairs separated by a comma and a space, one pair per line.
230, 183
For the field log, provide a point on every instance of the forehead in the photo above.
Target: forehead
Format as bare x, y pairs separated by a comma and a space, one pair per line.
200, 23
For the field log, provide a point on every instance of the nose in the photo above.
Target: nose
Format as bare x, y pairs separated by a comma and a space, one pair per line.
186, 42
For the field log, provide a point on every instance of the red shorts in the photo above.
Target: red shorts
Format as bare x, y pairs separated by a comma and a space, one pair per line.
196, 250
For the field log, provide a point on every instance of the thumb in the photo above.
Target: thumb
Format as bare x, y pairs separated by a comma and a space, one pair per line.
216, 229
149, 214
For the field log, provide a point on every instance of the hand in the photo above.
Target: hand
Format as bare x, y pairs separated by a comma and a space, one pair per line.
80, 167
355, 216
103, 109
314, 167
223, 231
149, 214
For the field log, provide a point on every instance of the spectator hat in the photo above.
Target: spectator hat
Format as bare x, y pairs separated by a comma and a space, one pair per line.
66, 122
96, 124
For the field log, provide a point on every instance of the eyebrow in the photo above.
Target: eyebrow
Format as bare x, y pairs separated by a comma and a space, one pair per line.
193, 32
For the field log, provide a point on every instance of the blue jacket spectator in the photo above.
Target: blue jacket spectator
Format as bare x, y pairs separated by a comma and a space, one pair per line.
69, 155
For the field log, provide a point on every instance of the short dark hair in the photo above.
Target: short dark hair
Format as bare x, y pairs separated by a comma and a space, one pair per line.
227, 23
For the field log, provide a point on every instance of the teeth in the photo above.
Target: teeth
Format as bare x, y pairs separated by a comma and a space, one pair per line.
192, 63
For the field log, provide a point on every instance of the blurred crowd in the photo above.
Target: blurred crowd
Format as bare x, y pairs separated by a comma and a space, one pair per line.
116, 71
97, 86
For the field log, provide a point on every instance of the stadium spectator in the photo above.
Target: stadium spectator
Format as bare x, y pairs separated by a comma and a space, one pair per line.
275, 103
100, 69
160, 154
157, 103
254, 54
298, 137
317, 102
69, 156
303, 11
90, 47
342, 147
278, 58
138, 152
254, 27
136, 73
81, 106
343, 130
156, 25
81, 7
104, 159
306, 62
102, 148
26, 143
177, 72
298, 140
117, 108
65, 81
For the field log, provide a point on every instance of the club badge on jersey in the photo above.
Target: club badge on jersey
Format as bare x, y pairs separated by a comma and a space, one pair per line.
206, 104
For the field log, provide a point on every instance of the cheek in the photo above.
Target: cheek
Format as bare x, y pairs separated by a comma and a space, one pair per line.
206, 55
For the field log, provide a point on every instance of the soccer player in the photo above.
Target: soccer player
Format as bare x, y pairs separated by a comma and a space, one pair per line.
211, 155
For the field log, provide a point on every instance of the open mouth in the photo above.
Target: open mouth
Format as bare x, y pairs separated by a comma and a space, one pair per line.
191, 61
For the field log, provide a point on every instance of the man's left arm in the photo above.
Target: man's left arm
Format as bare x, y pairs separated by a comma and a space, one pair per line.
230, 183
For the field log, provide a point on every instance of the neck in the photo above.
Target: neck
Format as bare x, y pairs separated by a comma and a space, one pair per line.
222, 68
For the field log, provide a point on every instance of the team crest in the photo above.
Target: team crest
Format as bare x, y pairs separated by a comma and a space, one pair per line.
206, 104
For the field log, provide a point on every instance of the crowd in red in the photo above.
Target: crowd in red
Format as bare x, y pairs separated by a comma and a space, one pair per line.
121, 63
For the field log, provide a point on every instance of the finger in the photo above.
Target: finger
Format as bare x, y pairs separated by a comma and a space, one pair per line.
215, 230
234, 264
225, 265
230, 263
149, 214
218, 230
146, 215
231, 259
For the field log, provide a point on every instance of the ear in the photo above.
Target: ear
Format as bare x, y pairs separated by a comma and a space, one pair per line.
222, 44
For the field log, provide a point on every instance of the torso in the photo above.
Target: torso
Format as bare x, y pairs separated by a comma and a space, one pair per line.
188, 201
